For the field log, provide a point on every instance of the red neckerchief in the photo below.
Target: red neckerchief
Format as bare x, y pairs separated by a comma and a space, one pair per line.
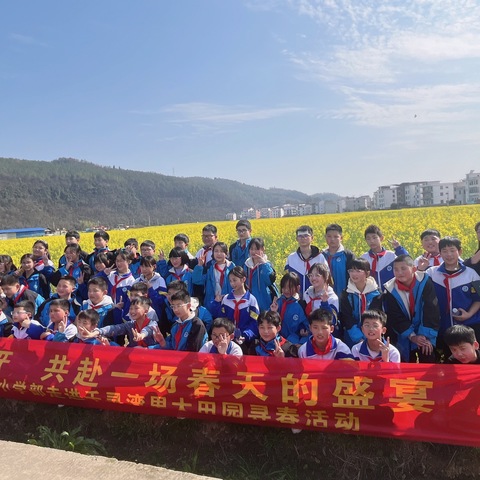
411, 298
309, 306
95, 307
436, 258
446, 282
72, 268
19, 294
328, 346
251, 271
178, 333
39, 263
179, 276
375, 258
363, 302
222, 273
306, 261
119, 279
285, 304
271, 352
236, 313
146, 321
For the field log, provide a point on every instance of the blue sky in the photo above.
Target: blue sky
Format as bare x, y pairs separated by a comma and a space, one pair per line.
313, 95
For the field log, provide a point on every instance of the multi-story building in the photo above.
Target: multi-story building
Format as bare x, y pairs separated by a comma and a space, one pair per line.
385, 197
472, 187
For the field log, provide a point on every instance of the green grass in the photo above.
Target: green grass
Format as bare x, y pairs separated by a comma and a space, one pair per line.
238, 452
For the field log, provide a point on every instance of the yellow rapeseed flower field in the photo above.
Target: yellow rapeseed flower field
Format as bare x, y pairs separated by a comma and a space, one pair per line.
279, 234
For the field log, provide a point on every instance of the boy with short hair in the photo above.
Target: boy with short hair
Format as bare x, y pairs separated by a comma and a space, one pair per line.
140, 290
137, 327
181, 240
24, 326
147, 248
322, 345
209, 238
304, 257
59, 325
188, 333
200, 311
412, 310
338, 258
14, 293
72, 237
65, 291
457, 298
86, 321
362, 293
430, 239
463, 345
223, 331
271, 343
238, 250
375, 348
99, 301
380, 259
100, 239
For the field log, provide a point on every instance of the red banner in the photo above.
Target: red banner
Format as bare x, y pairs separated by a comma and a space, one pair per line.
436, 403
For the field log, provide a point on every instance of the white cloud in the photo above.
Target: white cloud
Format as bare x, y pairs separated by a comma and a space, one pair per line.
198, 112
26, 40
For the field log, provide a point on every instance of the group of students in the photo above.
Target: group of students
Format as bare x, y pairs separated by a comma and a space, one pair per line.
382, 306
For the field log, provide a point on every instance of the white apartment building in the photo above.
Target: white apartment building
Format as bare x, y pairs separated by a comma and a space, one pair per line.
384, 197
472, 187
277, 212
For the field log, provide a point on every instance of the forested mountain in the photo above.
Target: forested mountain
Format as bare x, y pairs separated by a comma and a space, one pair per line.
75, 193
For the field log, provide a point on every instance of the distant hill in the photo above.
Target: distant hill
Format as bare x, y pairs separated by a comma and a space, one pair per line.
75, 193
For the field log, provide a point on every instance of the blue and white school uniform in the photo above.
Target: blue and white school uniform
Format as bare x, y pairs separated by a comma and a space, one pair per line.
362, 352
300, 265
335, 350
381, 264
293, 319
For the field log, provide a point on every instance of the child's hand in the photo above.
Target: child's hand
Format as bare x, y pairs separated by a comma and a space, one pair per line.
68, 265
104, 341
18, 273
304, 333
26, 323
274, 305
462, 315
109, 270
161, 255
423, 264
394, 242
240, 339
219, 297
476, 258
259, 258
84, 333
157, 335
278, 352
202, 259
223, 344
137, 336
62, 325
120, 304
384, 349
324, 297
80, 278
